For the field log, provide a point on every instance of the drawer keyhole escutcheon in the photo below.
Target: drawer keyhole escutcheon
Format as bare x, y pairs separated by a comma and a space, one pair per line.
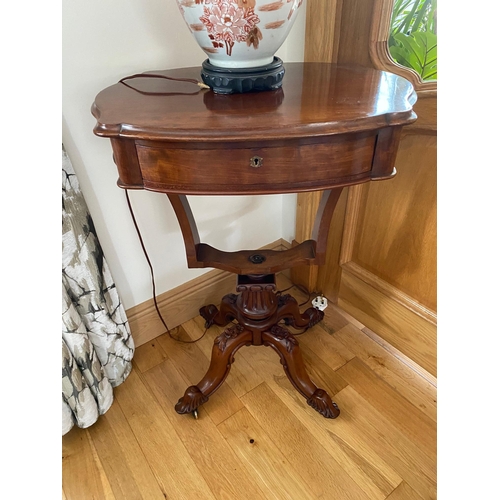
256, 161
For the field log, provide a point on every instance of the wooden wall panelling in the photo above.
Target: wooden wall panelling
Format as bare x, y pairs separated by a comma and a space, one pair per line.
322, 30
389, 252
338, 31
328, 276
384, 271
395, 323
354, 36
307, 206
396, 228
392, 292
426, 109
353, 203
325, 278
389, 246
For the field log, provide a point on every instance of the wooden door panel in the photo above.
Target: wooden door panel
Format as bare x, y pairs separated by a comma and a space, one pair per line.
396, 228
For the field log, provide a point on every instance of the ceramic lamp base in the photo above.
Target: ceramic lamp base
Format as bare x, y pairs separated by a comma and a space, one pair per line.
241, 80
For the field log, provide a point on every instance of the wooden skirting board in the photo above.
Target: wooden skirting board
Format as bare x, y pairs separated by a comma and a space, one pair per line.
391, 291
395, 322
183, 302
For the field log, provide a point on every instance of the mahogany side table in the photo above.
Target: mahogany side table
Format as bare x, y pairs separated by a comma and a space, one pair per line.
328, 127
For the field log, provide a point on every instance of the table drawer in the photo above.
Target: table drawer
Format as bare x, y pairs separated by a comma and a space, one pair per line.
291, 166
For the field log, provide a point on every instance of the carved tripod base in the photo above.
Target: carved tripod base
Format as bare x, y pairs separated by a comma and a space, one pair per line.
258, 310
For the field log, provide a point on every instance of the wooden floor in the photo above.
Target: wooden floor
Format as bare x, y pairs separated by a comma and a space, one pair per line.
256, 438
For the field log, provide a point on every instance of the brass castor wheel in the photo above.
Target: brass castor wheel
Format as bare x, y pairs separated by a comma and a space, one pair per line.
195, 414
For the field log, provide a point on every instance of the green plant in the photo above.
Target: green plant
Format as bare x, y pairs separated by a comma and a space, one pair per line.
413, 36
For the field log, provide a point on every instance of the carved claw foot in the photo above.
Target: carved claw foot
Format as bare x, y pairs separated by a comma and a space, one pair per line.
323, 404
208, 313
313, 315
288, 310
221, 317
192, 399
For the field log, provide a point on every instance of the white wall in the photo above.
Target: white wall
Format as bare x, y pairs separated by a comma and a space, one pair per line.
104, 41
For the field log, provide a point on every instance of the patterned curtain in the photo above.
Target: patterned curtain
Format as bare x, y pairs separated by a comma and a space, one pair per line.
97, 347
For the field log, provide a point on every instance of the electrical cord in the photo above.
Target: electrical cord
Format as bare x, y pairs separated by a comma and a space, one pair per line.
300, 288
153, 278
150, 75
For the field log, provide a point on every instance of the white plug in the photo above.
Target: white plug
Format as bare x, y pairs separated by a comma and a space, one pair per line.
320, 303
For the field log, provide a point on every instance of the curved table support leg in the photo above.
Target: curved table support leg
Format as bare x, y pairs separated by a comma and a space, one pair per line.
212, 315
288, 309
225, 346
287, 346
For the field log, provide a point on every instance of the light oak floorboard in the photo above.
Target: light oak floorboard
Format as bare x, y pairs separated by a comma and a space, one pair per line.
173, 466
82, 474
334, 353
334, 312
306, 454
216, 461
405, 416
399, 376
408, 332
421, 372
148, 355
359, 461
404, 492
108, 492
126, 466
398, 450
264, 461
